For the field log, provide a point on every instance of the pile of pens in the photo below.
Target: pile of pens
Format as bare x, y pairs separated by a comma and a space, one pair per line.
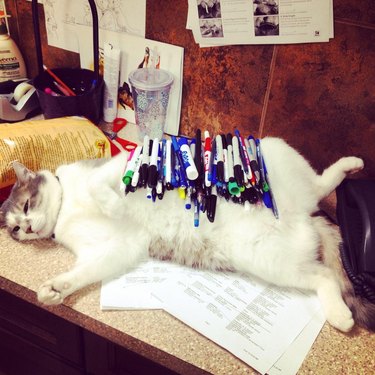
201, 170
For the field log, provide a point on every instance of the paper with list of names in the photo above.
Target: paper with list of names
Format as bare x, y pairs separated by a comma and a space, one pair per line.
269, 328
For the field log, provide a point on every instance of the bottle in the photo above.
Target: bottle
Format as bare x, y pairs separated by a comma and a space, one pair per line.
12, 65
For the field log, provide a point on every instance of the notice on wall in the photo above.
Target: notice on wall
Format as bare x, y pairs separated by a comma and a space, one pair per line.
224, 22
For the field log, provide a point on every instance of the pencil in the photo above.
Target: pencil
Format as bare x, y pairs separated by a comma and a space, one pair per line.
58, 80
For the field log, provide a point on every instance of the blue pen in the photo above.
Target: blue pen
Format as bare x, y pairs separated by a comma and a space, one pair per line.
267, 200
196, 212
273, 202
160, 179
212, 172
181, 170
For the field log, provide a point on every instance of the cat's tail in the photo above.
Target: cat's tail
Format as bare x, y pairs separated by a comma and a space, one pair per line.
363, 310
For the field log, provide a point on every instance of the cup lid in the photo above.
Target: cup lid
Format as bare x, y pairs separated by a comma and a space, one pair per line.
150, 79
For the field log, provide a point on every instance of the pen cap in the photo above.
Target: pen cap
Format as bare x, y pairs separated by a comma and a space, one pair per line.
187, 159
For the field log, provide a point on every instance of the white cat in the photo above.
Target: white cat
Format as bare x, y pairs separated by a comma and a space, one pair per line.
85, 210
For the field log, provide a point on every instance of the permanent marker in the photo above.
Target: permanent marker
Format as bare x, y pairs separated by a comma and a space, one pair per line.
153, 168
160, 177
133, 161
145, 161
225, 157
237, 169
253, 162
207, 158
135, 178
245, 158
232, 184
220, 158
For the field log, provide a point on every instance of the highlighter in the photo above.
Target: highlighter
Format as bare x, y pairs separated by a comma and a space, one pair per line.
187, 159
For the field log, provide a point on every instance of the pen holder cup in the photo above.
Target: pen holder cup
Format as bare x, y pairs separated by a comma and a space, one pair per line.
88, 101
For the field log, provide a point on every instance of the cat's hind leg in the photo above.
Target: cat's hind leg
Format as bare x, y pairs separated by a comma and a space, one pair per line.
335, 174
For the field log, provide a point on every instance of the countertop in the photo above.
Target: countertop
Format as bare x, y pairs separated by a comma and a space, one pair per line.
156, 334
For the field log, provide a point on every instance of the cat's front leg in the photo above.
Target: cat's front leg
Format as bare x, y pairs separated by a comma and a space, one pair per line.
104, 187
53, 292
117, 252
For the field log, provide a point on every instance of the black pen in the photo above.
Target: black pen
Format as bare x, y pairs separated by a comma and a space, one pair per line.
220, 159
211, 205
143, 172
153, 167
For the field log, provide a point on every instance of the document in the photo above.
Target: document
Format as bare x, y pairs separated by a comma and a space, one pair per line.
267, 327
224, 22
124, 16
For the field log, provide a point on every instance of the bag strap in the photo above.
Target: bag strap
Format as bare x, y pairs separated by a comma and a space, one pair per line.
38, 45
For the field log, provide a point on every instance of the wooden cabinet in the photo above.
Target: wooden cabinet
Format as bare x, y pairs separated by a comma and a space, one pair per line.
106, 358
33, 341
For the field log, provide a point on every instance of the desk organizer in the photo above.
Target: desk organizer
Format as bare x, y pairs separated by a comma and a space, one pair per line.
86, 84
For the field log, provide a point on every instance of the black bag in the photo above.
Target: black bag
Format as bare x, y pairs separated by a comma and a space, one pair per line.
356, 216
86, 84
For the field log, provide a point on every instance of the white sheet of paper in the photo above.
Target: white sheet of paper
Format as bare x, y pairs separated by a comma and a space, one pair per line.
134, 290
239, 22
61, 17
291, 360
253, 320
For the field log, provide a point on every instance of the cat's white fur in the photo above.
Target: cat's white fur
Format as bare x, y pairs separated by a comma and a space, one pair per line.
110, 233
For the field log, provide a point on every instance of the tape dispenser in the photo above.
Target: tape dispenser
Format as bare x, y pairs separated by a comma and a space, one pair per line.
18, 100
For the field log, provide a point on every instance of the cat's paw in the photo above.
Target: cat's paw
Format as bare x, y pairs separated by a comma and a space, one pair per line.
341, 319
351, 164
53, 292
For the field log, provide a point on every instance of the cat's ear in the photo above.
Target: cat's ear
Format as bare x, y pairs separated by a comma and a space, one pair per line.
23, 174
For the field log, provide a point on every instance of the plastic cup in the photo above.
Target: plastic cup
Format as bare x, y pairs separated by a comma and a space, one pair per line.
150, 91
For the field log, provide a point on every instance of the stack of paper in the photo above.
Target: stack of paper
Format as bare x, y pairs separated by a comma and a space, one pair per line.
224, 22
269, 328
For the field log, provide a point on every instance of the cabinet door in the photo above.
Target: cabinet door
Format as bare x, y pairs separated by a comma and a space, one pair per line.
34, 341
103, 357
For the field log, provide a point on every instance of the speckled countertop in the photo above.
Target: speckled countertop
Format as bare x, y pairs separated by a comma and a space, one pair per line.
156, 334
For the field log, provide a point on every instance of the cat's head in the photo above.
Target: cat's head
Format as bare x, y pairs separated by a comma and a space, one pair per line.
33, 205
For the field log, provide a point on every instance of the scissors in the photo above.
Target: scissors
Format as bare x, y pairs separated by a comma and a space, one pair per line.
118, 124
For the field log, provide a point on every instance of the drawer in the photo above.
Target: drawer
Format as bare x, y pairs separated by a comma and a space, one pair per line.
39, 328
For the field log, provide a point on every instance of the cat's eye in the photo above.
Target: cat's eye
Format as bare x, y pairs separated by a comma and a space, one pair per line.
26, 207
16, 229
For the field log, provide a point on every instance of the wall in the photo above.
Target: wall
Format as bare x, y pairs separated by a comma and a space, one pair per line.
319, 97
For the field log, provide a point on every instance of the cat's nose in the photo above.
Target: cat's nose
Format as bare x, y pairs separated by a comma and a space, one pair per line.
29, 230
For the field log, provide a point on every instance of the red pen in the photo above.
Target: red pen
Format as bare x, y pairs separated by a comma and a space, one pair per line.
207, 158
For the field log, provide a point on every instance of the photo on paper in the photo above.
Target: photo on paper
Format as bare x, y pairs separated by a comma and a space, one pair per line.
266, 25
209, 9
211, 28
266, 7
